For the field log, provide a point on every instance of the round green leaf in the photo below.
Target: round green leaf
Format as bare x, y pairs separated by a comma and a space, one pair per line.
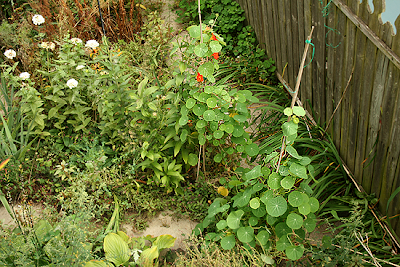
276, 206
218, 134
289, 128
221, 224
229, 128
218, 158
260, 212
295, 198
262, 237
257, 187
215, 46
193, 159
299, 111
238, 131
287, 182
201, 49
203, 97
288, 111
294, 252
240, 149
298, 170
294, 221
207, 70
309, 224
209, 115
255, 203
269, 194
212, 102
240, 118
271, 220
228, 242
281, 229
183, 120
305, 197
233, 219
253, 221
304, 208
282, 243
184, 110
199, 109
190, 103
201, 124
230, 150
184, 135
314, 204
274, 180
202, 139
222, 127
245, 234
252, 149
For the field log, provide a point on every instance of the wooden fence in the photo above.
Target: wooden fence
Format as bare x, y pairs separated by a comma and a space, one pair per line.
347, 39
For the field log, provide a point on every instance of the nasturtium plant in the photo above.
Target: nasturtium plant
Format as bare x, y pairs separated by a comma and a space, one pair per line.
271, 207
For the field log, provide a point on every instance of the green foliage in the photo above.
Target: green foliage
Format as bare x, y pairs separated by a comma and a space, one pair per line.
268, 210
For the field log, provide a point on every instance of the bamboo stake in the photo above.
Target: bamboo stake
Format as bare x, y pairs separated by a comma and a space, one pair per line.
296, 92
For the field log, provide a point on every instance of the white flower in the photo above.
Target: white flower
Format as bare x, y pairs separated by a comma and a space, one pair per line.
52, 45
10, 54
154, 114
24, 75
44, 45
92, 44
72, 83
37, 19
76, 41
79, 67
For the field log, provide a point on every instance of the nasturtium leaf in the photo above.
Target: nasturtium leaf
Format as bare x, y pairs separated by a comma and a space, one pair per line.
314, 204
242, 108
254, 173
201, 124
202, 139
219, 116
293, 152
207, 70
222, 127
228, 242
184, 110
274, 180
245, 234
211, 102
295, 198
201, 50
218, 157
281, 229
213, 125
183, 120
229, 128
288, 182
269, 194
203, 97
252, 149
271, 220
301, 234
184, 135
240, 118
294, 252
221, 224
218, 134
240, 97
288, 111
309, 224
257, 187
265, 171
199, 109
262, 237
305, 161
304, 208
289, 128
240, 149
276, 206
305, 197
209, 115
233, 219
294, 221
253, 221
284, 170
268, 259
255, 203
193, 159
194, 31
299, 111
306, 188
298, 170
243, 200
238, 131
260, 212
230, 150
282, 243
215, 46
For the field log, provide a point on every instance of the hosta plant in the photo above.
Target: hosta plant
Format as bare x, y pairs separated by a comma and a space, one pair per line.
272, 207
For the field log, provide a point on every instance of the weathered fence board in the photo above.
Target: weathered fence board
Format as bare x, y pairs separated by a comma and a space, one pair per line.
349, 40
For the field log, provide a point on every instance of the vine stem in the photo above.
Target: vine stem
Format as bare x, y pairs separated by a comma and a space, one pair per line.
296, 92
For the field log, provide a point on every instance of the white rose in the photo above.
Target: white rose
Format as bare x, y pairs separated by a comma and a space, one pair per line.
76, 41
10, 54
79, 67
37, 19
24, 75
72, 83
92, 44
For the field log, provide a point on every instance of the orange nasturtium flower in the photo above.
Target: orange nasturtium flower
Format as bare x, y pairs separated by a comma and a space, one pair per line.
215, 55
199, 77
213, 37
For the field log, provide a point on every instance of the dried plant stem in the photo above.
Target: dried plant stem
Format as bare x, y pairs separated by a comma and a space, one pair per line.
294, 96
201, 30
